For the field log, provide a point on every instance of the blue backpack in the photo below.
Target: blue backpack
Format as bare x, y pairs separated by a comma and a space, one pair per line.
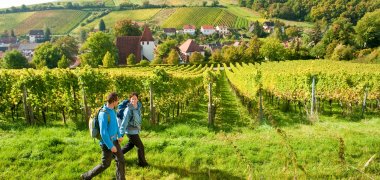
120, 109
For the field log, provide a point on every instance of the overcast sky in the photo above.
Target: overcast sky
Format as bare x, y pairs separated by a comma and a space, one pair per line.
10, 3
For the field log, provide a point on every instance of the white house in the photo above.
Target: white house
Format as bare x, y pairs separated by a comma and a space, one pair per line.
207, 29
222, 29
268, 26
141, 46
189, 29
36, 36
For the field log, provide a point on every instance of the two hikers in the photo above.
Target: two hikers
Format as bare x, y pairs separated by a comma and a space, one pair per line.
112, 133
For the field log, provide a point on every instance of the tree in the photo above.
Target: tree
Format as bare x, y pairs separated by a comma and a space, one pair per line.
173, 57
368, 30
215, 3
196, 58
95, 47
47, 54
68, 45
316, 33
13, 33
83, 35
131, 59
109, 60
14, 60
64, 62
156, 60
252, 53
102, 25
292, 32
273, 50
47, 34
204, 3
258, 29
126, 28
217, 56
342, 52
69, 5
163, 49
319, 50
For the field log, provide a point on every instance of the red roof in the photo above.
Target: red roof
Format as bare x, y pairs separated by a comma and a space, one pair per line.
207, 27
128, 45
147, 35
188, 26
190, 46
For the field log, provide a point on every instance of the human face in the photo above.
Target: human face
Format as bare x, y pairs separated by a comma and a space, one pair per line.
134, 100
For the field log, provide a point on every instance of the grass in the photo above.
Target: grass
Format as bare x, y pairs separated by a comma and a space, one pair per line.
185, 148
12, 20
59, 21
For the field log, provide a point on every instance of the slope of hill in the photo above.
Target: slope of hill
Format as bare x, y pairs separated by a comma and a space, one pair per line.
10, 21
199, 16
59, 21
113, 17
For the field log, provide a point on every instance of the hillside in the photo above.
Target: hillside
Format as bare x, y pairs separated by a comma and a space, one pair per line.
59, 21
110, 19
199, 16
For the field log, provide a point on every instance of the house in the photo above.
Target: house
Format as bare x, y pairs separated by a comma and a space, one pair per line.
36, 36
189, 29
207, 29
170, 31
27, 49
268, 26
7, 42
141, 46
214, 46
188, 48
222, 29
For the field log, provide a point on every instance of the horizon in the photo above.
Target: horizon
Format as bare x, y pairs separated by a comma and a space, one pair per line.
17, 3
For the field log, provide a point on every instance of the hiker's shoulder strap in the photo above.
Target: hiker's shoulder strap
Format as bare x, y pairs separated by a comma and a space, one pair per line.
108, 114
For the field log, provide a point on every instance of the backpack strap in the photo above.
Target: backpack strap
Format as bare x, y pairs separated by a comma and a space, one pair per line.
108, 114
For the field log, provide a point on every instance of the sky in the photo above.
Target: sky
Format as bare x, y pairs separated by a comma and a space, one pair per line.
10, 3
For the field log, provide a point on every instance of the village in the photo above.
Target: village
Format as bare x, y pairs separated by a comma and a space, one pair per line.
204, 40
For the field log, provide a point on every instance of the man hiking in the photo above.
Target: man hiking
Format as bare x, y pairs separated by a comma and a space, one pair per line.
109, 141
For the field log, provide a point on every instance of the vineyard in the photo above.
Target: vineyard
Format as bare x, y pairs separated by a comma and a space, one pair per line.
62, 91
200, 121
347, 85
111, 18
10, 21
199, 16
59, 21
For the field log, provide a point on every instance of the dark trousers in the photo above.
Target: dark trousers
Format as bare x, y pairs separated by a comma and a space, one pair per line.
107, 156
134, 140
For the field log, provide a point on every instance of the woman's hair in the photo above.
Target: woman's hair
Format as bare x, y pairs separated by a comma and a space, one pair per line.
134, 94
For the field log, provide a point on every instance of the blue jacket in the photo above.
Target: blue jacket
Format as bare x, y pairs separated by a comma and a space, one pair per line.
131, 123
108, 131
